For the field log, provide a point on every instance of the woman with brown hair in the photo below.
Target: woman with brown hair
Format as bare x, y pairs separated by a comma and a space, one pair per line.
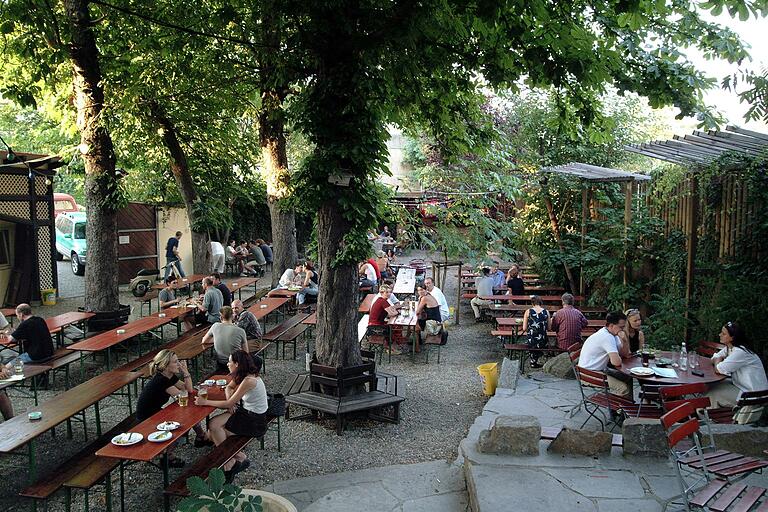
245, 406
536, 322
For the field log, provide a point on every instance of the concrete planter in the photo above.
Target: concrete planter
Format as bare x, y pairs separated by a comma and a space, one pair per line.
271, 502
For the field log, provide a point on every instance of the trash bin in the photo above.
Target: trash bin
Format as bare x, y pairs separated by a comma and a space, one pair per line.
48, 296
489, 374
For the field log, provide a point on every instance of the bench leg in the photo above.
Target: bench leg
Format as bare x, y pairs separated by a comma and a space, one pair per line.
166, 481
122, 486
68, 500
108, 491
87, 501
278, 433
98, 420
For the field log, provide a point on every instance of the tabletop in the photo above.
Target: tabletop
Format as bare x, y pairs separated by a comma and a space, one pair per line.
683, 377
270, 304
527, 298
65, 319
311, 319
406, 281
365, 305
110, 338
405, 321
283, 292
184, 281
172, 312
18, 431
8, 312
241, 282
188, 416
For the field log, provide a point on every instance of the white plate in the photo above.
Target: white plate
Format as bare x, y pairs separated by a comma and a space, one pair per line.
168, 425
209, 382
160, 437
127, 439
641, 371
191, 306
221, 382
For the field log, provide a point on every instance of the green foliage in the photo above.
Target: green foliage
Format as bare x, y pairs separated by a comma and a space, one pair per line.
216, 496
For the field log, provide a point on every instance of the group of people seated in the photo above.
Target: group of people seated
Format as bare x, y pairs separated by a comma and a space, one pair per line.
621, 337
375, 270
492, 278
243, 411
251, 257
305, 278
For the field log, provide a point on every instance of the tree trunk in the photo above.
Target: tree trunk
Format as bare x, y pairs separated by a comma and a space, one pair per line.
101, 182
277, 177
180, 170
336, 343
556, 232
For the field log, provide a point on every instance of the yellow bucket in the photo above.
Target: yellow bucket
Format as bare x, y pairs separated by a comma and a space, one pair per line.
489, 374
49, 296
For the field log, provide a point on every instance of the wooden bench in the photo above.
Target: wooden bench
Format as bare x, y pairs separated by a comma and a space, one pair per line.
550, 433
146, 300
82, 470
256, 297
343, 383
275, 334
219, 456
523, 351
291, 336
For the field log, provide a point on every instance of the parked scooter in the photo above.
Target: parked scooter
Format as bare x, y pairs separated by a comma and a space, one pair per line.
146, 277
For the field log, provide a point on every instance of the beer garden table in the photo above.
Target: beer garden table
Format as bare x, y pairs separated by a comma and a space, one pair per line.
145, 451
187, 282
406, 281
683, 376
269, 304
56, 324
238, 284
19, 431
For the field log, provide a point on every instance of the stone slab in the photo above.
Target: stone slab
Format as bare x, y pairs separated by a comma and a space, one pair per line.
513, 435
450, 502
622, 505
348, 499
493, 489
599, 483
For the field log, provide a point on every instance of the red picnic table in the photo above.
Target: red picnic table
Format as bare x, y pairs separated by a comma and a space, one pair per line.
367, 302
527, 298
108, 339
267, 305
19, 431
56, 324
146, 451
184, 281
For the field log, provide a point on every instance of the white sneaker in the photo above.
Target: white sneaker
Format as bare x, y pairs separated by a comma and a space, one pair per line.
243, 274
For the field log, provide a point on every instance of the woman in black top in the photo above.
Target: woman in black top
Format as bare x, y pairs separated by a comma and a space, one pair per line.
515, 285
427, 308
164, 385
632, 338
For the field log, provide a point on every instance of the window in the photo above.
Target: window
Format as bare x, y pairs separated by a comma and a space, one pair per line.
5, 248
65, 205
80, 231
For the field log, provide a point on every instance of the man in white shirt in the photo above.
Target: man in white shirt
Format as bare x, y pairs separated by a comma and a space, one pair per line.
439, 297
367, 274
217, 256
602, 348
484, 287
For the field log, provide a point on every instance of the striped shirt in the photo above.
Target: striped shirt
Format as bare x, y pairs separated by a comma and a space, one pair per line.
568, 323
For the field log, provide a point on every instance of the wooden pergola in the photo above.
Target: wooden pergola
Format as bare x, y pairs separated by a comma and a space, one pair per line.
26, 199
694, 152
594, 174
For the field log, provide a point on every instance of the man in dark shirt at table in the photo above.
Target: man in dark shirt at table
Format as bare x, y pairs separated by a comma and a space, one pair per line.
33, 335
225, 293
568, 323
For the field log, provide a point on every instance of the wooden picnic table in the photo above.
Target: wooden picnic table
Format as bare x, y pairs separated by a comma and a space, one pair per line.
311, 319
56, 324
184, 281
146, 451
283, 292
267, 305
407, 324
108, 339
239, 283
367, 302
19, 431
527, 298
683, 377
507, 321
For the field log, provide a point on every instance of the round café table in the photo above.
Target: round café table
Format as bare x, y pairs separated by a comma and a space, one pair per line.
683, 377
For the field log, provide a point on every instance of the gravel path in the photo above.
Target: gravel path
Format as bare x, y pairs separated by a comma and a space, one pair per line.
441, 403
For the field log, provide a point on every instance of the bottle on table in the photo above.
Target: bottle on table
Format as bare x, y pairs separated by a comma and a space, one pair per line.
683, 358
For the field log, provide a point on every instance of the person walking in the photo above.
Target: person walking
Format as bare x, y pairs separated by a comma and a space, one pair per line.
172, 256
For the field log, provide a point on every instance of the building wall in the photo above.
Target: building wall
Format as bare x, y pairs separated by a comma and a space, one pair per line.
169, 221
5, 270
399, 170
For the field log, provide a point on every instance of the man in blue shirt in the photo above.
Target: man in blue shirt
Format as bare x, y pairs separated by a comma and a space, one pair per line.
484, 289
172, 255
499, 279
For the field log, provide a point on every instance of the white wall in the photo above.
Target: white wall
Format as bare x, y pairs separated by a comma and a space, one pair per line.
169, 221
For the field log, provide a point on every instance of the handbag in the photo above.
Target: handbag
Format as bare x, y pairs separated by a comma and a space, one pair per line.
432, 327
275, 404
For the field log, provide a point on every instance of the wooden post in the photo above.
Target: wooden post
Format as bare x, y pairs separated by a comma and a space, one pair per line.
584, 213
693, 225
627, 222
458, 298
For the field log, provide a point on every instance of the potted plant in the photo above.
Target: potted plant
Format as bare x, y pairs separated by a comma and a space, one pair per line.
213, 495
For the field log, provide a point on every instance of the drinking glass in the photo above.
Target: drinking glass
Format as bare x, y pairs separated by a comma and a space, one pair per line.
183, 398
18, 367
693, 361
203, 392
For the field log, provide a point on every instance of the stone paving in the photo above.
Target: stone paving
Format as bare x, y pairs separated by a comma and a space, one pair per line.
484, 482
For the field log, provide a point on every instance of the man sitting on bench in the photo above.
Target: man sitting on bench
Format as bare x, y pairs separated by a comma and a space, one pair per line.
6, 407
33, 334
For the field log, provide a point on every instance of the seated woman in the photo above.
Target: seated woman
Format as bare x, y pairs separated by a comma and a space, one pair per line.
310, 284
245, 406
536, 322
632, 338
743, 366
427, 309
383, 262
163, 385
515, 285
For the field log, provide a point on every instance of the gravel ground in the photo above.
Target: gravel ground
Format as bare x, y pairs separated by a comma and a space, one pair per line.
441, 403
